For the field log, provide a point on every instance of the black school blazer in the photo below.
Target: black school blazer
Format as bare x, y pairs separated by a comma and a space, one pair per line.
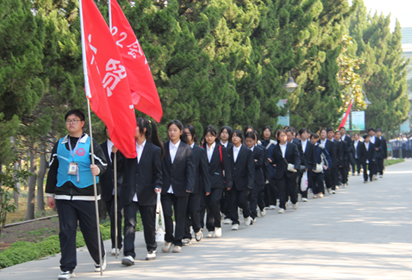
292, 156
243, 170
142, 178
181, 174
331, 148
259, 154
370, 154
107, 178
202, 181
309, 156
216, 167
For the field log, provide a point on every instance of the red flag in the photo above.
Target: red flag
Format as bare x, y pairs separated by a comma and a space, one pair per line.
106, 81
342, 124
142, 87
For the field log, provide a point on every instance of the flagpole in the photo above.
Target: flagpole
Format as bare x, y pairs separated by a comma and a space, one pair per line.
86, 81
115, 162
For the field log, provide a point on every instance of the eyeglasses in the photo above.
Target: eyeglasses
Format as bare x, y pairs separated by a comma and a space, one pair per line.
72, 121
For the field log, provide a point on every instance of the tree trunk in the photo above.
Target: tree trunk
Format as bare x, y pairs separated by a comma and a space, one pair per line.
16, 195
40, 180
31, 185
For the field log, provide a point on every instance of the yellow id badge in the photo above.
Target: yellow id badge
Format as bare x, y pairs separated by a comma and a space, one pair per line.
73, 168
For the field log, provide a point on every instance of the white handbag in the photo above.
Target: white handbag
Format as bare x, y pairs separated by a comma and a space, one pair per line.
291, 167
319, 168
304, 183
160, 229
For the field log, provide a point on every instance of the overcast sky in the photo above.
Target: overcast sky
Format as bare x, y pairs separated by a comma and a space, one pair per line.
399, 9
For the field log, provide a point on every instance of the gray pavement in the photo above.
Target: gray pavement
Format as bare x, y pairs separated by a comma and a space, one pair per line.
362, 232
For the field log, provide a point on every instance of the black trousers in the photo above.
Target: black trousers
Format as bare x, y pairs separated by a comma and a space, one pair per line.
270, 193
213, 209
318, 183
343, 173
238, 199
328, 178
380, 166
225, 203
256, 199
202, 209
371, 166
148, 214
70, 212
192, 215
358, 165
335, 172
286, 188
171, 202
110, 210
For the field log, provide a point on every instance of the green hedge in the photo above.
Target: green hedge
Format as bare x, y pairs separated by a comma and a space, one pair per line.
22, 251
393, 161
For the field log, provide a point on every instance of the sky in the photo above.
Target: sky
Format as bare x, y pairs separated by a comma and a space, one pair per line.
400, 9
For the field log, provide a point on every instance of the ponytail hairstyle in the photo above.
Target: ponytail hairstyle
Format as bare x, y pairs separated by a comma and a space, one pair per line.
151, 132
192, 131
183, 136
213, 131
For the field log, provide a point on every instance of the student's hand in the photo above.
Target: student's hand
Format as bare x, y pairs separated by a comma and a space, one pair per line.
188, 191
95, 169
255, 160
158, 190
207, 193
325, 167
51, 202
340, 166
228, 189
274, 165
114, 149
313, 170
269, 160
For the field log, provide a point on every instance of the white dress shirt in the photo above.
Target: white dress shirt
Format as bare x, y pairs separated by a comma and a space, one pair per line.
236, 152
356, 146
252, 148
173, 150
139, 151
367, 149
323, 142
283, 149
210, 150
304, 143
193, 144
109, 148
373, 139
224, 144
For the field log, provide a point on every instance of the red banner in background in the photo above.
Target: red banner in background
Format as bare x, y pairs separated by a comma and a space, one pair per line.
142, 87
106, 79
342, 124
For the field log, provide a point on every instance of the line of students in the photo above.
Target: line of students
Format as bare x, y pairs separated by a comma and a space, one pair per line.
229, 171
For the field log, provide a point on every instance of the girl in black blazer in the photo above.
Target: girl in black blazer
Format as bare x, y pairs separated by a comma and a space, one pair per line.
141, 181
220, 179
283, 154
201, 188
178, 182
225, 136
243, 176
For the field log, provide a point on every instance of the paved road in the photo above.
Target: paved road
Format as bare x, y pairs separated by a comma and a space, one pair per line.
362, 232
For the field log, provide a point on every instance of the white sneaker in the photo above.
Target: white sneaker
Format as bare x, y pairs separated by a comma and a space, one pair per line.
281, 211
235, 226
128, 261
65, 275
227, 221
166, 247
151, 256
263, 213
199, 235
186, 241
272, 207
333, 192
177, 249
295, 206
304, 199
97, 266
210, 234
218, 232
254, 221
248, 221
113, 251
